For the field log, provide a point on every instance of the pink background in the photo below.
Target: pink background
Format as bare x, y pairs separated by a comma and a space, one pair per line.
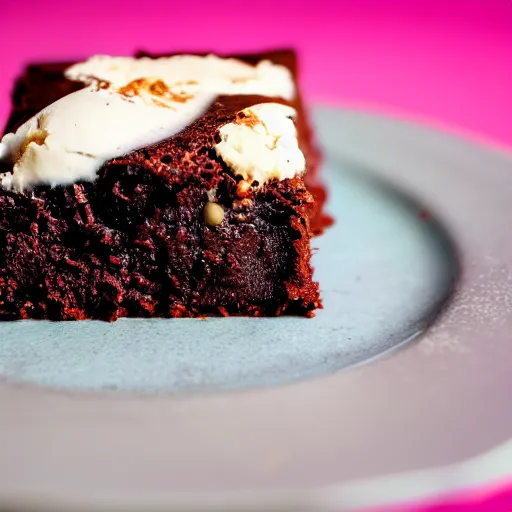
444, 62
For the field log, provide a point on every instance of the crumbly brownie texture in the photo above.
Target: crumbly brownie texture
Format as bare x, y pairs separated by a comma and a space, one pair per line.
141, 240
29, 98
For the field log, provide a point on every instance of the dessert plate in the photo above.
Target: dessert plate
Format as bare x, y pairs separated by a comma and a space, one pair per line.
241, 413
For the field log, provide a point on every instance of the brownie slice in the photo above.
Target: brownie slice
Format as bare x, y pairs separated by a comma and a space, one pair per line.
143, 239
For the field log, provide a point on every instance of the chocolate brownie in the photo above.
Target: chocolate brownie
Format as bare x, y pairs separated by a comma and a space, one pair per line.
167, 230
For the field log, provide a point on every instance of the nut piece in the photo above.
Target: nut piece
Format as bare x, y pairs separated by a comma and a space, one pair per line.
213, 214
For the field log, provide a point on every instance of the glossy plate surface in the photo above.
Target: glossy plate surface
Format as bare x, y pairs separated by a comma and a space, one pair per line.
238, 410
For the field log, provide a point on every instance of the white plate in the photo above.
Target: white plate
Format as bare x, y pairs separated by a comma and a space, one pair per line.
406, 426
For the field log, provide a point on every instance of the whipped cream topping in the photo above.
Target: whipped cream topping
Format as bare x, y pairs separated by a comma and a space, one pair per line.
127, 104
210, 73
71, 139
262, 144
